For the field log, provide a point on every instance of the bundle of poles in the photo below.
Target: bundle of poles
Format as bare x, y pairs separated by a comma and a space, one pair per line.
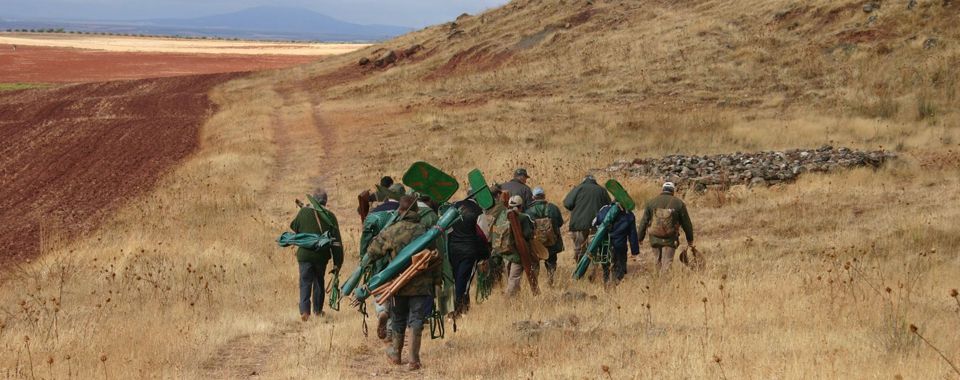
420, 263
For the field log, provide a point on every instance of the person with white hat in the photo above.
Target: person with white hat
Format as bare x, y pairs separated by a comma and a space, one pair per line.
504, 245
665, 215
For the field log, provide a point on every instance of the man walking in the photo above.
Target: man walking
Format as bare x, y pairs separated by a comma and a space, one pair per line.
547, 222
313, 263
504, 243
466, 246
583, 202
623, 231
413, 303
518, 186
665, 215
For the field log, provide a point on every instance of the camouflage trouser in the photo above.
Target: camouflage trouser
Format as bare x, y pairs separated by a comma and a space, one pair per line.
496, 267
663, 257
580, 241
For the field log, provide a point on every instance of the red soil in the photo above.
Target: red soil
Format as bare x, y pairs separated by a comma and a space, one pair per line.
71, 154
32, 64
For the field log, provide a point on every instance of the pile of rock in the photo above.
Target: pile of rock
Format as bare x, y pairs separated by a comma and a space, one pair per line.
754, 169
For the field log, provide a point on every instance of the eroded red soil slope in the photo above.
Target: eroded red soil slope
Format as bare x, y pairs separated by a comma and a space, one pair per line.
71, 154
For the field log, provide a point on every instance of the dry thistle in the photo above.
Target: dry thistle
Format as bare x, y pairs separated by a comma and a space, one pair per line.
915, 330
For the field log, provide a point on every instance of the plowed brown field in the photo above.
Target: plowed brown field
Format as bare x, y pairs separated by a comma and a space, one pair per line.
34, 64
69, 154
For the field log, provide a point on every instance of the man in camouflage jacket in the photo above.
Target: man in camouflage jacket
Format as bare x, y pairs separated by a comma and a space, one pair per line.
414, 301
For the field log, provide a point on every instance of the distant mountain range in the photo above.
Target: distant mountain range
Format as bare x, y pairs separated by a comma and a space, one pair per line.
265, 23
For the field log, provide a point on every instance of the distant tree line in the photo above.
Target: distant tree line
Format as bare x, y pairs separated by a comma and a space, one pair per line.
117, 34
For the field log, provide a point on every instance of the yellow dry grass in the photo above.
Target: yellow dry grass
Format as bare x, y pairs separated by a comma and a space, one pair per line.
817, 279
174, 45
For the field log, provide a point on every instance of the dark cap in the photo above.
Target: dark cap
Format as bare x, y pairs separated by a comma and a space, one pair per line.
386, 181
521, 172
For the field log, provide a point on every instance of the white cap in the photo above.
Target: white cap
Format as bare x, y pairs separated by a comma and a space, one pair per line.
538, 191
669, 186
515, 201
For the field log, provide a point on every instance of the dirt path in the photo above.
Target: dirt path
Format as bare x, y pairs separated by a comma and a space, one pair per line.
299, 138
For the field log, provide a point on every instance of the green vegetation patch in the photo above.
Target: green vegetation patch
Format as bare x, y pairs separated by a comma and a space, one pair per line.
21, 86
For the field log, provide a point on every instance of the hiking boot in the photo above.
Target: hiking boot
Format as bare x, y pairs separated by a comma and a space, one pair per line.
382, 325
393, 352
416, 337
304, 317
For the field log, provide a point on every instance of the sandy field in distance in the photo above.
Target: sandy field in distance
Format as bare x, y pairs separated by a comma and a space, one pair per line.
174, 45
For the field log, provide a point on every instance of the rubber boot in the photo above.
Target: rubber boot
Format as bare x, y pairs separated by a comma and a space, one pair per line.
394, 351
382, 325
416, 337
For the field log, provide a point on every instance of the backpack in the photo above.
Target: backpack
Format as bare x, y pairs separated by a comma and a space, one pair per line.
663, 225
501, 236
543, 230
544, 233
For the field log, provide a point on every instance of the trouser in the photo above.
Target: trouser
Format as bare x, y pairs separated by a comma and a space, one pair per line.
516, 275
551, 262
496, 267
311, 281
618, 260
410, 311
462, 271
664, 257
580, 241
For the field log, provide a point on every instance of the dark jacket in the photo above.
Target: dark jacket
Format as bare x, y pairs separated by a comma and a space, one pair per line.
623, 231
388, 205
543, 209
306, 222
679, 217
515, 187
584, 201
465, 239
392, 239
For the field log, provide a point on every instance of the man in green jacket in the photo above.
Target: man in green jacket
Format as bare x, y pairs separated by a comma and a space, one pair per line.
505, 246
665, 215
542, 211
413, 303
584, 201
313, 264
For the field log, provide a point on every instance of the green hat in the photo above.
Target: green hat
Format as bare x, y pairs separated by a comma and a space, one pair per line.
394, 192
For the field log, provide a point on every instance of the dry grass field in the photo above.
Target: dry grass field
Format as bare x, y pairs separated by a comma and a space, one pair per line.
822, 278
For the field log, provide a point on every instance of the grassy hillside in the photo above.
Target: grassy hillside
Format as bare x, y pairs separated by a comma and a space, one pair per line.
821, 278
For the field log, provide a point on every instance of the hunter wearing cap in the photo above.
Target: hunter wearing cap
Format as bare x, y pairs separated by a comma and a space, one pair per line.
313, 263
547, 222
665, 215
518, 186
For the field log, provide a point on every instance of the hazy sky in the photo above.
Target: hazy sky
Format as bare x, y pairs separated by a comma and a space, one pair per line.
415, 13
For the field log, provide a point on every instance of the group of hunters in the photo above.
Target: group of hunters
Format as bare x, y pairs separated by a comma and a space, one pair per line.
480, 245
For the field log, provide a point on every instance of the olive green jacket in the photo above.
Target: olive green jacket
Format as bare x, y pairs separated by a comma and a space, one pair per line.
679, 217
306, 222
